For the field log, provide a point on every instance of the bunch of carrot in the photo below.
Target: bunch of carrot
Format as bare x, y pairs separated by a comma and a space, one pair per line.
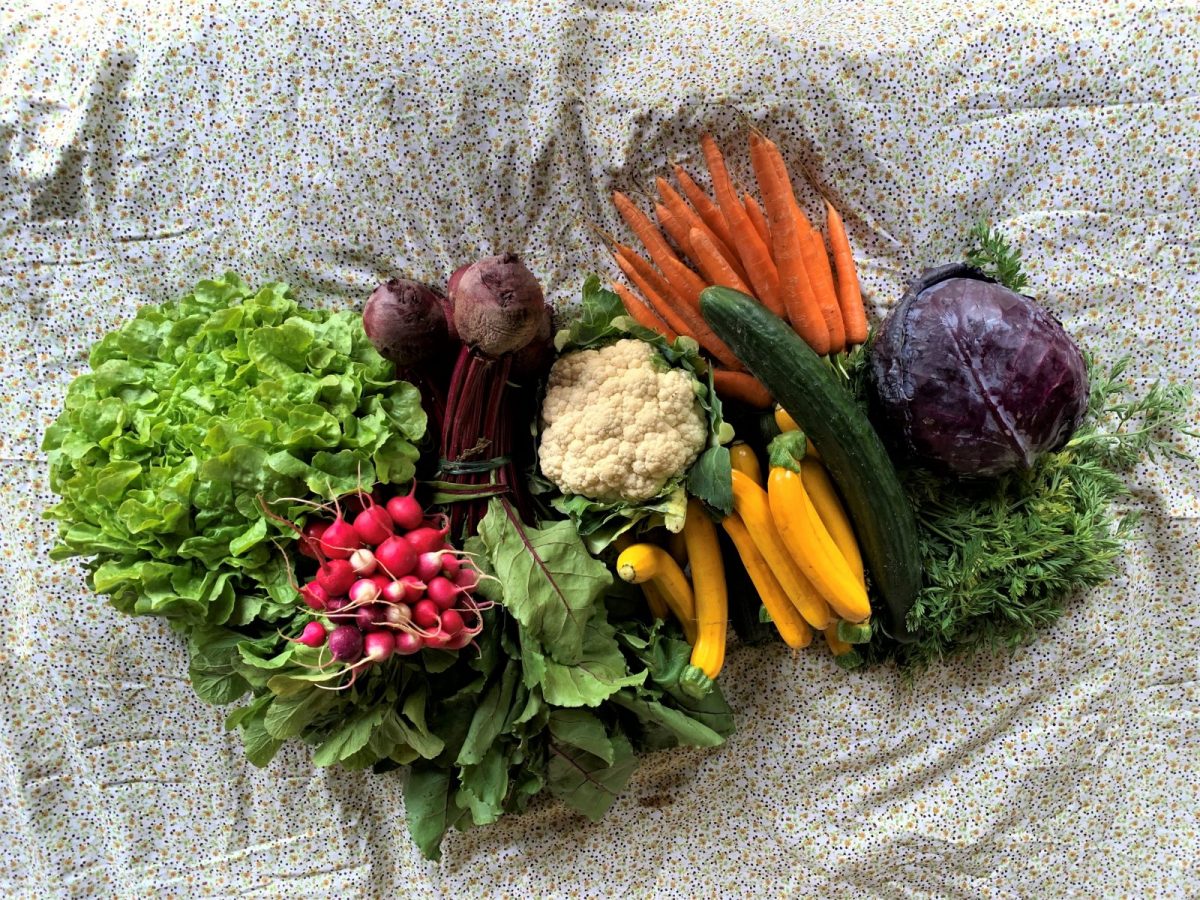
771, 252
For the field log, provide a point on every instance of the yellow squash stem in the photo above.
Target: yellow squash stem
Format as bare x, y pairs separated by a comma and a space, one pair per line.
788, 622
805, 537
751, 503
640, 563
743, 458
708, 588
785, 423
844, 654
833, 516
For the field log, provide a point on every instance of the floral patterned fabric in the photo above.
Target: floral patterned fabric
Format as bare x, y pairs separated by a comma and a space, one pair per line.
145, 145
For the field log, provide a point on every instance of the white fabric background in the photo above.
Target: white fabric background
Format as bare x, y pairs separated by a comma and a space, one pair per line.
144, 146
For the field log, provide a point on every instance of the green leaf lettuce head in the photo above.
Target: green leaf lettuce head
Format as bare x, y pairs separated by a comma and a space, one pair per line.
602, 321
191, 413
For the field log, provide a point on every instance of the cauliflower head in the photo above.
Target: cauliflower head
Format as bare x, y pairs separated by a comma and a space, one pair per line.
618, 423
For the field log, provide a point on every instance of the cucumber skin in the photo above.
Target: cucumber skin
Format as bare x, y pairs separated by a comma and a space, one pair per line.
849, 446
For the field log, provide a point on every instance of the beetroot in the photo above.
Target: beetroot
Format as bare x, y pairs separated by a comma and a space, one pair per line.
499, 308
498, 305
405, 322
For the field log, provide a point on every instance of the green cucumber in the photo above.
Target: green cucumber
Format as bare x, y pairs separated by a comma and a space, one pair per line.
849, 447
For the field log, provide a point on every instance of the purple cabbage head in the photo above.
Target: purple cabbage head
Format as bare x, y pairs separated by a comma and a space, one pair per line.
974, 378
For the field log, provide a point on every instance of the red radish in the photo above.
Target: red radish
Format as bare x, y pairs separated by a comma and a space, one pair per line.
405, 511
398, 614
346, 643
380, 581
379, 645
452, 622
450, 564
333, 610
407, 590
353, 503
366, 617
313, 635
426, 539
426, 614
310, 538
460, 640
315, 595
408, 643
339, 540
364, 591
429, 564
396, 556
336, 576
414, 589
438, 638
467, 578
443, 592
373, 525
362, 561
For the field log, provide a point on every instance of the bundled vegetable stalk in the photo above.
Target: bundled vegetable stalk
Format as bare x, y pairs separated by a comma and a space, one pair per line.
496, 326
501, 316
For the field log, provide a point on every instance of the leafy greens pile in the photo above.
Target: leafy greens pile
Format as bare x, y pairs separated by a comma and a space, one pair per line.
200, 411
194, 410
568, 682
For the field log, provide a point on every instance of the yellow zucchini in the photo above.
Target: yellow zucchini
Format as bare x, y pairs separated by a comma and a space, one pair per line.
788, 621
708, 589
833, 516
751, 503
811, 546
655, 600
743, 458
784, 420
640, 563
836, 645
654, 597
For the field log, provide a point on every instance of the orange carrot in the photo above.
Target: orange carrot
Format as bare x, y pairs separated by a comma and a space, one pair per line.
786, 240
757, 218
816, 262
687, 216
755, 257
743, 387
708, 211
675, 226
687, 282
641, 312
664, 299
854, 314
712, 264
667, 302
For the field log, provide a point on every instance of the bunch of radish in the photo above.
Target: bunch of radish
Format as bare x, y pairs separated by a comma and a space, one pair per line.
387, 582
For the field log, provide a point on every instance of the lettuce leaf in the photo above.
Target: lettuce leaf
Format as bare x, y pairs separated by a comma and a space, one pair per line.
191, 413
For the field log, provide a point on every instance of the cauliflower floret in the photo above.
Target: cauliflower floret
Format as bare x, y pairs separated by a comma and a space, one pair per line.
617, 424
